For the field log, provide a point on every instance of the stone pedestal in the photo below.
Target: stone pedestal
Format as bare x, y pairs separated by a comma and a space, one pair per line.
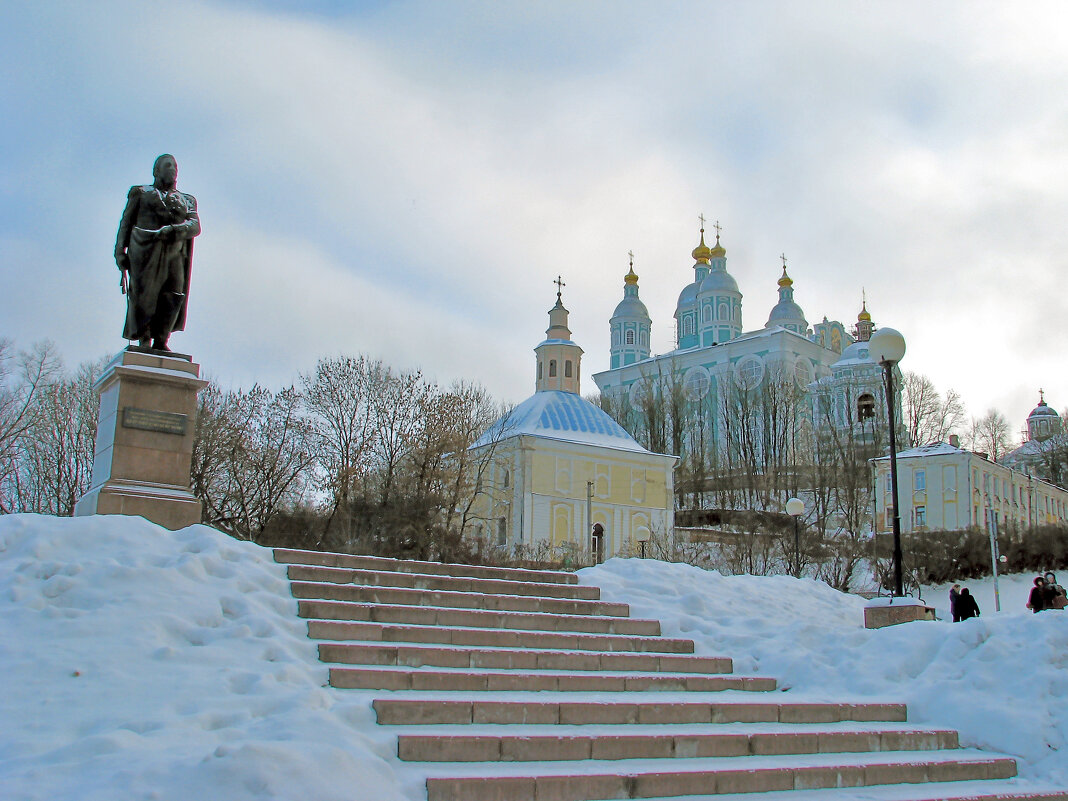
889, 612
144, 439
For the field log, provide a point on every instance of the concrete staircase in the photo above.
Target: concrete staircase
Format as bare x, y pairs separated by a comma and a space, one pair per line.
513, 685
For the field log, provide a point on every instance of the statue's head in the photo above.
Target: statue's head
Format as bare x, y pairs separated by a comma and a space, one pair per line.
165, 170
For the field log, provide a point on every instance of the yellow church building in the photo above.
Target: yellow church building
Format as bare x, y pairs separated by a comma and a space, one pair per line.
563, 474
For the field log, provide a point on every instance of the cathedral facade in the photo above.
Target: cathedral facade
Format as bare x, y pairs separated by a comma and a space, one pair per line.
716, 358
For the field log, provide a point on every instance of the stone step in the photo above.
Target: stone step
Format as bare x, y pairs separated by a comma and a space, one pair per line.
502, 638
994, 790
538, 748
433, 711
457, 600
324, 559
420, 581
512, 659
512, 681
476, 618
674, 783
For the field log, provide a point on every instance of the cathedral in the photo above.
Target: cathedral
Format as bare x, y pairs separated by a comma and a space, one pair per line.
716, 356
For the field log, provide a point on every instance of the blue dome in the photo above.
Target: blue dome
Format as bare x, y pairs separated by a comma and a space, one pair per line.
631, 307
786, 311
719, 281
554, 414
688, 296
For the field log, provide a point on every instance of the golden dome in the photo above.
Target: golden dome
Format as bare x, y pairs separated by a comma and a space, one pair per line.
718, 251
864, 317
631, 278
701, 253
785, 280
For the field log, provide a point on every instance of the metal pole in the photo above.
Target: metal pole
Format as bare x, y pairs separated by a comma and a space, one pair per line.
993, 527
888, 367
589, 517
797, 551
642, 543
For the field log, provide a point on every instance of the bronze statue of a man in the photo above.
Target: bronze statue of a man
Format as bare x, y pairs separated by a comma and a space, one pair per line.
154, 251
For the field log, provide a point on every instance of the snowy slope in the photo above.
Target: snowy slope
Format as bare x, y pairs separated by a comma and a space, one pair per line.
139, 663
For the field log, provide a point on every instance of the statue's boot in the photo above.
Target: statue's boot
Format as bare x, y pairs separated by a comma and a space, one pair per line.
166, 316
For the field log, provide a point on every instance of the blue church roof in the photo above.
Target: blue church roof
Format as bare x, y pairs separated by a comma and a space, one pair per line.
554, 414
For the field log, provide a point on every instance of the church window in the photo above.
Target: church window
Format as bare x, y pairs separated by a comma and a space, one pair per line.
750, 372
630, 337
687, 325
708, 314
803, 373
502, 531
615, 338
552, 368
724, 311
643, 338
695, 385
539, 371
865, 407
567, 369
506, 479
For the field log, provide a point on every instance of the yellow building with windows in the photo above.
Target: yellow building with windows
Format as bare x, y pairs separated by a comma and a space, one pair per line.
561, 466
941, 486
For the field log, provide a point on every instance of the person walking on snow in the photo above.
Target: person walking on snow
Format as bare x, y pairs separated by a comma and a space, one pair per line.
1036, 601
966, 605
954, 602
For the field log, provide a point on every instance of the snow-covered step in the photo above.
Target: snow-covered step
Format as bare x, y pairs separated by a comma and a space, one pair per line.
518, 659
549, 747
500, 638
424, 581
476, 618
415, 711
400, 679
730, 775
291, 556
462, 600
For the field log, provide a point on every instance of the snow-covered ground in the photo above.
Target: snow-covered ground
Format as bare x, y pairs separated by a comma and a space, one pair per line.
139, 663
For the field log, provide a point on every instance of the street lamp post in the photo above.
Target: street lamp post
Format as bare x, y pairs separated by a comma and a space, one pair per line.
887, 348
795, 507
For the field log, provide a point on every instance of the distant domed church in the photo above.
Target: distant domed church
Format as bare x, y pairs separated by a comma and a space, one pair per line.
1044, 454
563, 474
715, 358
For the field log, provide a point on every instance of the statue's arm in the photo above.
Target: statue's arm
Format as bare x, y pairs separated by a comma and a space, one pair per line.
126, 224
191, 226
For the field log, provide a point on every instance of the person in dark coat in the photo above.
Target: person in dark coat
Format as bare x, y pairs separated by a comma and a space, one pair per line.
1036, 601
1055, 595
954, 602
966, 605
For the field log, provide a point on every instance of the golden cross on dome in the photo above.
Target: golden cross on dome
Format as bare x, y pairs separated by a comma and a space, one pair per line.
783, 257
718, 228
1041, 395
631, 254
701, 217
559, 286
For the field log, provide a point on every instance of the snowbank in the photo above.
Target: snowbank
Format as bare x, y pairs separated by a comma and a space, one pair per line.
1000, 679
145, 664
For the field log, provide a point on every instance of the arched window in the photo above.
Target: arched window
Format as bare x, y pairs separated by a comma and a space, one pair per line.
567, 369
615, 338
552, 368
687, 325
539, 371
643, 338
507, 478
630, 337
708, 314
865, 407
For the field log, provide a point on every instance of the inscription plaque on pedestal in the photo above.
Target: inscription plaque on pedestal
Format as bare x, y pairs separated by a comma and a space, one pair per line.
152, 420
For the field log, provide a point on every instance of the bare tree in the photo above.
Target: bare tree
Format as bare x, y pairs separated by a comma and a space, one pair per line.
991, 435
23, 376
929, 416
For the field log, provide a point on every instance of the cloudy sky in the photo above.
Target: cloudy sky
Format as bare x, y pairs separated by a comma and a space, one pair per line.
406, 179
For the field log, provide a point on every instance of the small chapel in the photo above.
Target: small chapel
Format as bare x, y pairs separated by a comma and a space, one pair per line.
565, 476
